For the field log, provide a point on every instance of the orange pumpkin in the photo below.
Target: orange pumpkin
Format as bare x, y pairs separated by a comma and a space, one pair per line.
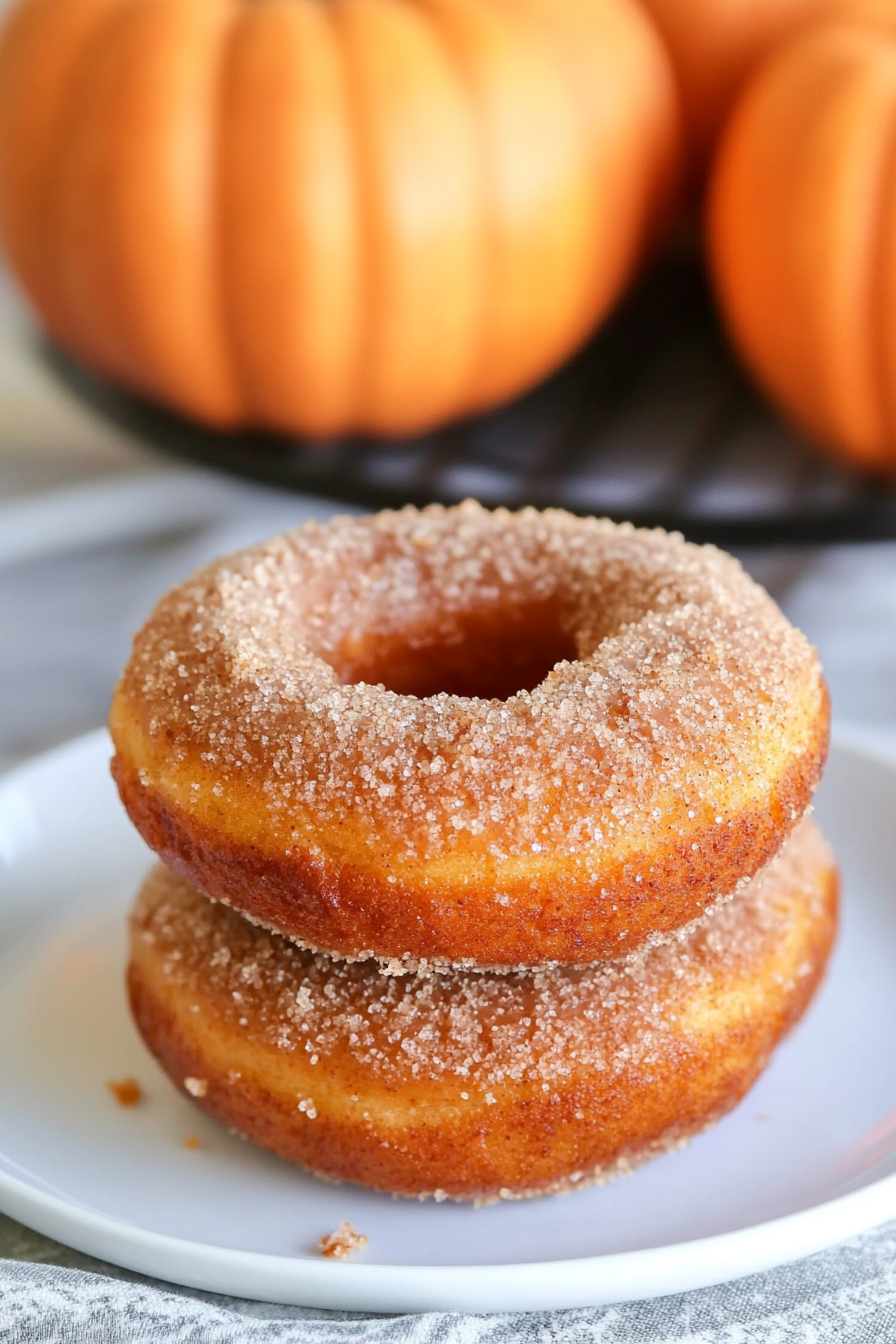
714, 45
802, 232
324, 215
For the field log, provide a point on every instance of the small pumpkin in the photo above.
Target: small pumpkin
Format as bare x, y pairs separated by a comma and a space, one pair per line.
714, 45
801, 225
331, 215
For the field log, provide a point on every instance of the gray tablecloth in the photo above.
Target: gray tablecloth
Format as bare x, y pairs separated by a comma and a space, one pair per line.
66, 624
844, 1296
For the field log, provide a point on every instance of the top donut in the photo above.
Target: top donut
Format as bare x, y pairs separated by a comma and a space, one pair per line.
460, 737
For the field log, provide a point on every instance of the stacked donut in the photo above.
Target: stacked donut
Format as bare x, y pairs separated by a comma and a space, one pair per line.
486, 868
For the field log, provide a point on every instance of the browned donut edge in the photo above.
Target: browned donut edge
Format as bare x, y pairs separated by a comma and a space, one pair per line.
348, 912
584, 1132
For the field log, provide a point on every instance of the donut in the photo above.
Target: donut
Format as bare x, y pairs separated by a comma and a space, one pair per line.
456, 737
477, 1085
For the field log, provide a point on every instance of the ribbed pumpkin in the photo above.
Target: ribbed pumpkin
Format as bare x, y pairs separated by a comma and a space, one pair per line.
714, 45
323, 215
802, 232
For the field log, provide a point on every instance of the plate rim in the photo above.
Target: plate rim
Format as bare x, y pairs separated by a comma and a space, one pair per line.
519, 1286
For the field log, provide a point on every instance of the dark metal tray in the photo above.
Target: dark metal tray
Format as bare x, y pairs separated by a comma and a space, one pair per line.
653, 421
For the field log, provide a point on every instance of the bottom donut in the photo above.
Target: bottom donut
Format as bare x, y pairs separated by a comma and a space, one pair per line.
478, 1085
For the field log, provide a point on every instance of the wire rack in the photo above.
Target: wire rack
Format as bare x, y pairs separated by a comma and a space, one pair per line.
653, 421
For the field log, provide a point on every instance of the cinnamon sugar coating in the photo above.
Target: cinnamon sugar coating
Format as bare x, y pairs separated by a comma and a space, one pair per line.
475, 1085
466, 737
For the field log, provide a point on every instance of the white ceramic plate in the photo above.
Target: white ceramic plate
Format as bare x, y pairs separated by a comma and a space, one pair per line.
808, 1159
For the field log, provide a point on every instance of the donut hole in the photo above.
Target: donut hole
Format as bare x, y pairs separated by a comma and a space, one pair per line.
489, 654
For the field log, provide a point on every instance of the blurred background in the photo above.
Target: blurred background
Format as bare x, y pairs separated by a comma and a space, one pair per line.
625, 257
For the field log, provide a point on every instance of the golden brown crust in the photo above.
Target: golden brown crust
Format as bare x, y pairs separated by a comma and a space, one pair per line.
469, 1084
675, 743
351, 912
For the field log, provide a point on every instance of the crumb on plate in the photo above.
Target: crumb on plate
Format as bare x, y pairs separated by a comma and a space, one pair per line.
126, 1091
192, 1142
340, 1244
